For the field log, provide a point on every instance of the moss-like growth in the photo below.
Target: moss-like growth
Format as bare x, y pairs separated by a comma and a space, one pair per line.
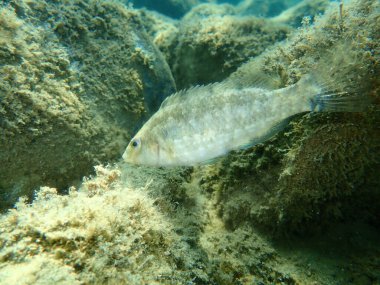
162, 30
76, 79
111, 231
212, 42
282, 11
322, 169
295, 15
103, 234
138, 225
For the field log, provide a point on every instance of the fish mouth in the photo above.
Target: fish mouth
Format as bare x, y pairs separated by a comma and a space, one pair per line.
129, 157
125, 156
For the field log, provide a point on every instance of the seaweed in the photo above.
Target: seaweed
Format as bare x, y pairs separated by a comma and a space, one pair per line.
321, 170
301, 208
212, 42
77, 79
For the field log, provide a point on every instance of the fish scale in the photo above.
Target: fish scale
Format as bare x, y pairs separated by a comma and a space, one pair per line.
205, 122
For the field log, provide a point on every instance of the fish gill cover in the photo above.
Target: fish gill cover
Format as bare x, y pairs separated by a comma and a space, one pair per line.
76, 82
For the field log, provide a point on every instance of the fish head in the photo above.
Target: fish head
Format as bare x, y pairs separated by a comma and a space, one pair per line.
146, 149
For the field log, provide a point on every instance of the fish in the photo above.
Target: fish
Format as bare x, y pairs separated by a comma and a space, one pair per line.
206, 122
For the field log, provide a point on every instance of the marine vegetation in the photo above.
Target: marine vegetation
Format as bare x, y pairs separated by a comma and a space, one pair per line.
321, 169
75, 81
77, 78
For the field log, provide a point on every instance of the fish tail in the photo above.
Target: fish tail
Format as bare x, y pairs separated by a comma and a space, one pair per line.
328, 95
339, 102
341, 81
338, 97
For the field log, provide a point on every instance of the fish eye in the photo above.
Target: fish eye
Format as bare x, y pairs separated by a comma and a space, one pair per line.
135, 143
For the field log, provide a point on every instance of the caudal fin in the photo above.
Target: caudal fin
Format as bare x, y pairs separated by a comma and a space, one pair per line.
331, 96
342, 80
340, 101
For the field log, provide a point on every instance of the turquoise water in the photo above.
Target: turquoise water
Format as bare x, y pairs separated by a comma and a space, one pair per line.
177, 9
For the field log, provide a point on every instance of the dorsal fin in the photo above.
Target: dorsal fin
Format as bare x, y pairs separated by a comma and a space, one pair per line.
206, 90
173, 98
197, 90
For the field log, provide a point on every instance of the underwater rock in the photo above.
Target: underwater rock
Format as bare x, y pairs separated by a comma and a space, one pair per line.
283, 11
322, 169
212, 42
303, 11
39, 270
136, 225
105, 233
162, 30
291, 13
77, 78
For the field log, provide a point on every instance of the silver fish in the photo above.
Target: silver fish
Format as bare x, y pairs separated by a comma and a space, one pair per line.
206, 122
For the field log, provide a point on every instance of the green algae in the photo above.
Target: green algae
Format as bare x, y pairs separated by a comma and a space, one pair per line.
216, 224
211, 42
76, 80
103, 234
304, 10
321, 169
126, 226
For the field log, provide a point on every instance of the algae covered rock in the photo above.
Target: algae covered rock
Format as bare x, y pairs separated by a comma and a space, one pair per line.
322, 168
302, 11
289, 12
162, 30
212, 42
201, 225
76, 79
106, 233
168, 231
